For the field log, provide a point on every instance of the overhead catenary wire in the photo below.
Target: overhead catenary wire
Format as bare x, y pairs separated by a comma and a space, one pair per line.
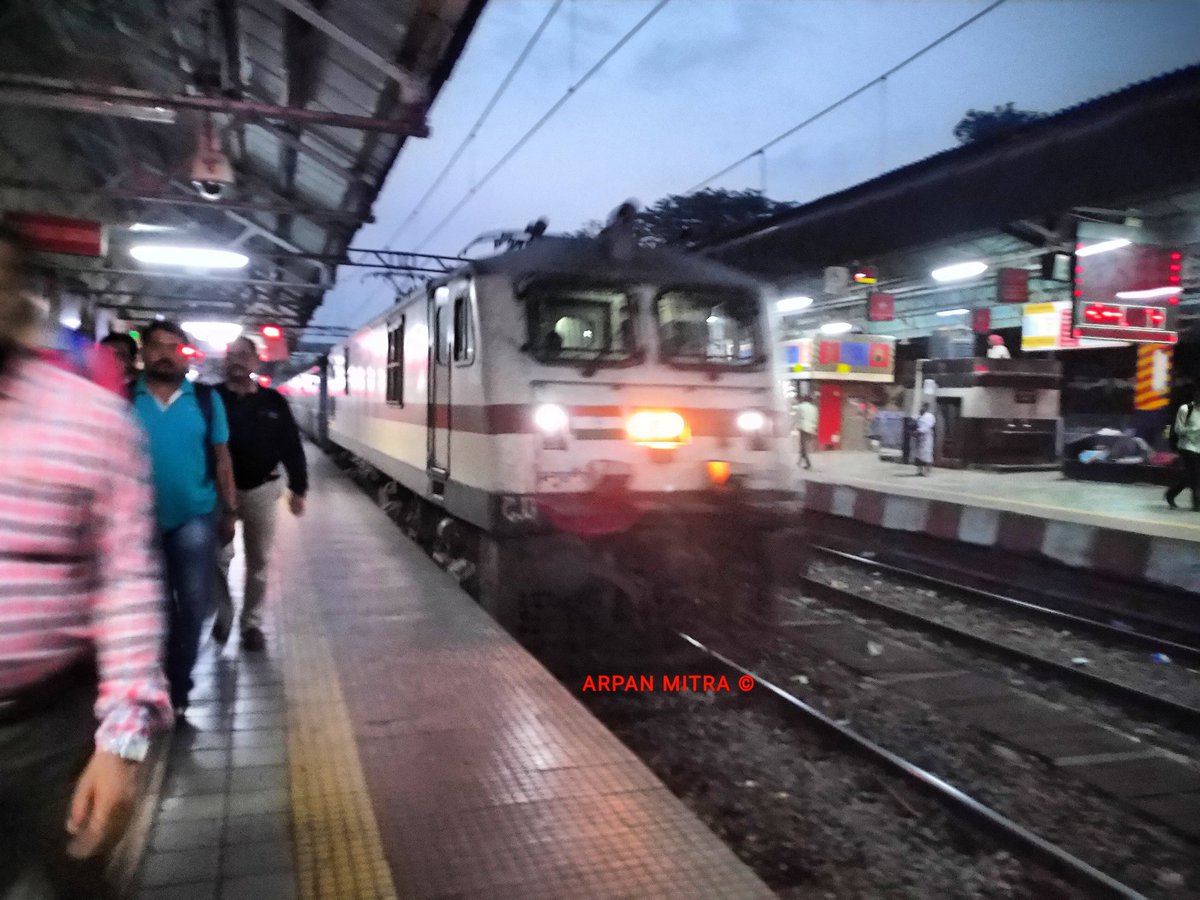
540, 123
479, 122
848, 97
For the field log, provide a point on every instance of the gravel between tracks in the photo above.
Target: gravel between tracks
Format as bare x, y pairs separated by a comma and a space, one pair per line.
1049, 801
814, 822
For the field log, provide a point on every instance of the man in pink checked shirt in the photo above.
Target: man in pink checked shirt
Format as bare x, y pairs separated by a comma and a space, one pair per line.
81, 603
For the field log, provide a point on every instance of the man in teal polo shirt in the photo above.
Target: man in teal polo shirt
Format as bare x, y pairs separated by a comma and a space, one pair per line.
189, 438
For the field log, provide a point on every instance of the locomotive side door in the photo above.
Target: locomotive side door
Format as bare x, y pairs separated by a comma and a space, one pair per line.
438, 416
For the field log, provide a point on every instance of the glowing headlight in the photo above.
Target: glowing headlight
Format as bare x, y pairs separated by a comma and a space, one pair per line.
751, 420
551, 418
661, 428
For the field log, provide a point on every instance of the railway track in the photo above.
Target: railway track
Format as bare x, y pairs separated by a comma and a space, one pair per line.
1073, 613
957, 803
1137, 702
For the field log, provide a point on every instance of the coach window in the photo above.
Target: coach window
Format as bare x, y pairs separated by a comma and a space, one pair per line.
395, 364
464, 331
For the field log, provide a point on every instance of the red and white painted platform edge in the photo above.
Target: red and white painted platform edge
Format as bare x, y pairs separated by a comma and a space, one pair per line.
1124, 529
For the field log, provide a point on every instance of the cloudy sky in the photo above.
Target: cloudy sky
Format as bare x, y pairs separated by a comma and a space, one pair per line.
707, 81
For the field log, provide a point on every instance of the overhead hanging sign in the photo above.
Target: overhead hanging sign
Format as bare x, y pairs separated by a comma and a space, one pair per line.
1048, 326
849, 358
57, 234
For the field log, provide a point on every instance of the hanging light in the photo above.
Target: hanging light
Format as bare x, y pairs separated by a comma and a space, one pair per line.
793, 304
191, 257
959, 271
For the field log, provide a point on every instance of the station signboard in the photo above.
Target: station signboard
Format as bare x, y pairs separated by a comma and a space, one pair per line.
849, 358
1126, 292
1048, 326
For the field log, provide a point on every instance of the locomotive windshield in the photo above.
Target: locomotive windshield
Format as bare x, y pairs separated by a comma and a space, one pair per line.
708, 328
569, 323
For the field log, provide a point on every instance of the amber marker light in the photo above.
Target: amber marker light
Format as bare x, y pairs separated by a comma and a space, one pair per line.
718, 472
661, 429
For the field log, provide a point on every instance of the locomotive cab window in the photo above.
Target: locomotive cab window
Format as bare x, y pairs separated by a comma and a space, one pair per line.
568, 323
395, 364
708, 328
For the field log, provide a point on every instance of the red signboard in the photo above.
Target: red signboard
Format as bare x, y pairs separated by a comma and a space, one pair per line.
881, 307
55, 234
981, 321
1013, 286
881, 356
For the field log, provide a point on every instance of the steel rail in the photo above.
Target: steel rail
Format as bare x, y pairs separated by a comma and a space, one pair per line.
997, 825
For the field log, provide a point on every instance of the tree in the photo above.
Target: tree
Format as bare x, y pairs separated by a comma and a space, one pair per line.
685, 218
983, 124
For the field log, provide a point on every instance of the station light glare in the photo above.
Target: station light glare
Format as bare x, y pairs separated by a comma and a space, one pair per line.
70, 321
835, 328
751, 420
213, 333
951, 312
551, 418
793, 304
190, 257
959, 271
146, 228
1151, 294
1102, 247
272, 331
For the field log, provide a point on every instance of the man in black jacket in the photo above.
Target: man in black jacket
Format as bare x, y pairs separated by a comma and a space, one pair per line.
262, 436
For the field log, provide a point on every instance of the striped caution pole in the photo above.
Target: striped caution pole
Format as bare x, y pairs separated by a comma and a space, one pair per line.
1152, 386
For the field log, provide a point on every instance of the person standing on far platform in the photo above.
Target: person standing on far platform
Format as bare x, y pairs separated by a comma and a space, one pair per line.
996, 348
1186, 440
926, 424
806, 427
81, 690
262, 436
188, 445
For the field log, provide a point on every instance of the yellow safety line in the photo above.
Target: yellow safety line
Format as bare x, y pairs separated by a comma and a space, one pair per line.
338, 852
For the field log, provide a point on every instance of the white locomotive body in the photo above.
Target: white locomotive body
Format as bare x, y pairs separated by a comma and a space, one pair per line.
571, 386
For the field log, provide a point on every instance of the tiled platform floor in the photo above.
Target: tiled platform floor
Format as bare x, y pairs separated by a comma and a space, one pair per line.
1122, 507
426, 753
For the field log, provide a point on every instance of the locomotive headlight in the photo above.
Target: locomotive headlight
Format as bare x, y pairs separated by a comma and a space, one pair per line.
662, 429
550, 418
751, 421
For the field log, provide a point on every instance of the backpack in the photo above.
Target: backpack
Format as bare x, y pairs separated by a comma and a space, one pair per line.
204, 399
1173, 434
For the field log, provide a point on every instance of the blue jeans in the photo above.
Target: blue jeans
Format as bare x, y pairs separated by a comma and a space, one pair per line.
188, 552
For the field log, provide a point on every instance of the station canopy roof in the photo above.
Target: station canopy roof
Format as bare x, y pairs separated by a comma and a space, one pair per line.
1133, 155
113, 110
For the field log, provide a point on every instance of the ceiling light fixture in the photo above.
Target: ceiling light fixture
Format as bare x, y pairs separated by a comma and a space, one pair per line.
1102, 247
959, 271
213, 333
836, 327
793, 304
191, 257
952, 312
1150, 293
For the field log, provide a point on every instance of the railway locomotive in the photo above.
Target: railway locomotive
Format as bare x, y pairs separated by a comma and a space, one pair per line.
574, 413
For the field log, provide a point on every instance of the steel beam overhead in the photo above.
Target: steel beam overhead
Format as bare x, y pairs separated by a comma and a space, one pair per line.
19, 90
192, 276
126, 196
413, 88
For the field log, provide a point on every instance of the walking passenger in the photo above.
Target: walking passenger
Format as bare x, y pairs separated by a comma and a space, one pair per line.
925, 426
806, 425
188, 446
125, 350
81, 690
1185, 437
262, 437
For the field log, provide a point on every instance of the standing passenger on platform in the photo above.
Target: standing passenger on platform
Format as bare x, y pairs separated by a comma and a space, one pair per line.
926, 423
81, 690
996, 348
806, 425
125, 349
188, 446
262, 436
1186, 440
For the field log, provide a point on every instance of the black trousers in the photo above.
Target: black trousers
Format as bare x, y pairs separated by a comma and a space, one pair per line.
804, 439
41, 758
1189, 479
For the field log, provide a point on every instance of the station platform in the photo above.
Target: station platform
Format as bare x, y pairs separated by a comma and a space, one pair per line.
1118, 528
393, 741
